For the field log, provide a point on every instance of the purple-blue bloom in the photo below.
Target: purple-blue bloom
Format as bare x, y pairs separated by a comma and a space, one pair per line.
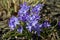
32, 23
23, 12
37, 8
24, 9
20, 29
13, 22
34, 27
46, 24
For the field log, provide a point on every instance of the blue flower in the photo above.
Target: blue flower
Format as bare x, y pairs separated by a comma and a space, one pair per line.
37, 29
20, 29
46, 24
13, 22
33, 26
32, 22
24, 9
37, 8
30, 26
23, 12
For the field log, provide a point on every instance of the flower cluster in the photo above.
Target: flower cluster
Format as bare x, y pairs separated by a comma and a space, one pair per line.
32, 23
30, 17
